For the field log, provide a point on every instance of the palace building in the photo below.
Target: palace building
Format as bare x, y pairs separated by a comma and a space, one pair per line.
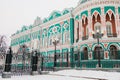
85, 36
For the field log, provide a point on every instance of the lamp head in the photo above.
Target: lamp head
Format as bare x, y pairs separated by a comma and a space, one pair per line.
102, 32
93, 32
98, 31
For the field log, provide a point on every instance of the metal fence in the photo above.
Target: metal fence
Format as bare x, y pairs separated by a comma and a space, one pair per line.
67, 59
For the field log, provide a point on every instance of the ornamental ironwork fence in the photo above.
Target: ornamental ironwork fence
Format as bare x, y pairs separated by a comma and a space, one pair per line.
80, 59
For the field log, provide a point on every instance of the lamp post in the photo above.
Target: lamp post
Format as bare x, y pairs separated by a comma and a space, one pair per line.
23, 57
98, 35
34, 62
42, 59
55, 42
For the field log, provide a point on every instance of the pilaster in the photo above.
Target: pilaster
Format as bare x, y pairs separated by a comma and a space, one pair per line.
90, 24
103, 21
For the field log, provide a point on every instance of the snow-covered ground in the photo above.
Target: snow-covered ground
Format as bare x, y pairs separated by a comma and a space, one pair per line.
70, 75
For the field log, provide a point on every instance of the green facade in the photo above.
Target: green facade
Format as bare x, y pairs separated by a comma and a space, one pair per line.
76, 53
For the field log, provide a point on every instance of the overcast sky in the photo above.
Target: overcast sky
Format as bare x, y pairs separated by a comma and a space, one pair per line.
16, 13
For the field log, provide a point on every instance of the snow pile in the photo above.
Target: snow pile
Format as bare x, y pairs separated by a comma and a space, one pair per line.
43, 77
90, 74
70, 75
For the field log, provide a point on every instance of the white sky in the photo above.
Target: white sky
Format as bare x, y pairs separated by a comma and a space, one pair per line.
16, 13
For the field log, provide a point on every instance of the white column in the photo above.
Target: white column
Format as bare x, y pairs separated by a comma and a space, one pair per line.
90, 24
117, 21
103, 21
75, 31
80, 32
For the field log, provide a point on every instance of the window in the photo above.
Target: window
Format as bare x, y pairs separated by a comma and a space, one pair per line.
59, 38
45, 42
97, 26
40, 42
66, 37
64, 57
83, 32
98, 51
109, 28
113, 52
87, 31
50, 41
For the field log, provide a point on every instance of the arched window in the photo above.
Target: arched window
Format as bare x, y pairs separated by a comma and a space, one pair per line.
98, 51
66, 37
85, 53
87, 31
50, 41
97, 26
40, 42
109, 28
113, 52
111, 18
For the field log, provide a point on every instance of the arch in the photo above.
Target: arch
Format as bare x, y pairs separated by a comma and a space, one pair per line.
84, 24
84, 13
107, 17
65, 26
114, 52
95, 44
95, 13
117, 45
82, 47
95, 20
98, 51
98, 9
98, 18
111, 18
106, 8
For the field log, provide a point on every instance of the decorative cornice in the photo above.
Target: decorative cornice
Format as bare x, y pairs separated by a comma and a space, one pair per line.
101, 41
94, 3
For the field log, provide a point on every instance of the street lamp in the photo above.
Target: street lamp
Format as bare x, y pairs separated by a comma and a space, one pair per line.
34, 62
55, 42
23, 57
98, 35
